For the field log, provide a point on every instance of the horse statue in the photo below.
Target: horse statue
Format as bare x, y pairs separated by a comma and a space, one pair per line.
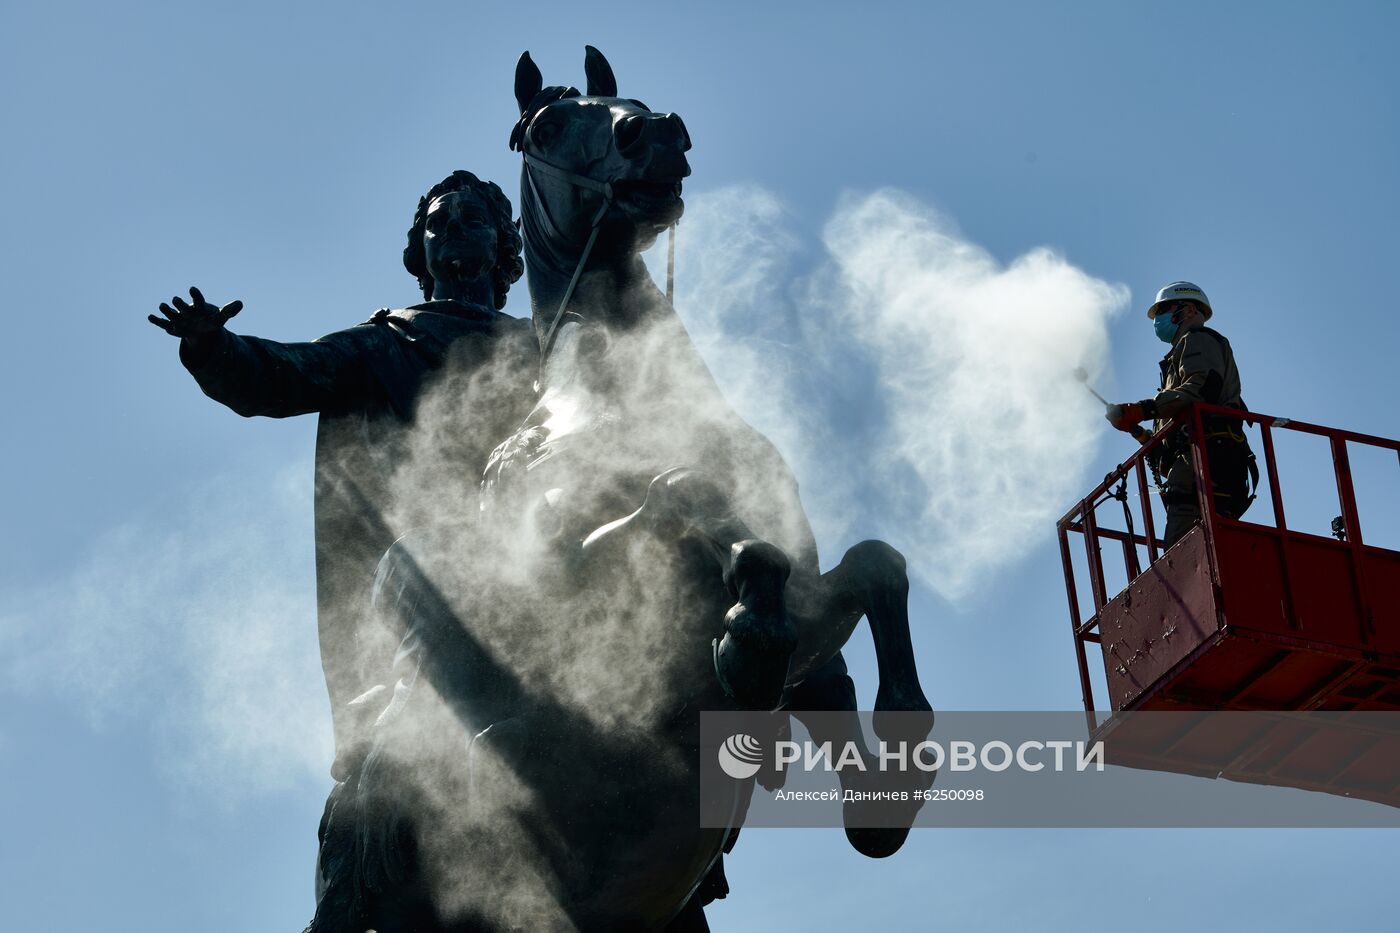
641, 555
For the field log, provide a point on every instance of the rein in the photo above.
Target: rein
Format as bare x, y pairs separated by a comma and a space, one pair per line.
605, 188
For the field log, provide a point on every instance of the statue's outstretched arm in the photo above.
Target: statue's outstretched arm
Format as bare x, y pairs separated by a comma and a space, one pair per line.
254, 376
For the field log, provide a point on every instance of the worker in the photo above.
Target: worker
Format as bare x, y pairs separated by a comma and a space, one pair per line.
1199, 367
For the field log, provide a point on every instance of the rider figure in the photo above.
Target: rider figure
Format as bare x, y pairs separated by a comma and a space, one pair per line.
366, 383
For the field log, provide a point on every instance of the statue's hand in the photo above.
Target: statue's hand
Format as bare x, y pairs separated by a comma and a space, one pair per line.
194, 320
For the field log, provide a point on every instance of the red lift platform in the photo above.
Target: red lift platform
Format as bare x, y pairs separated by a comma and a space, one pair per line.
1248, 617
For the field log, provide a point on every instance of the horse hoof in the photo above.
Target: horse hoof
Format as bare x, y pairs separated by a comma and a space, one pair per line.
902, 716
876, 843
751, 659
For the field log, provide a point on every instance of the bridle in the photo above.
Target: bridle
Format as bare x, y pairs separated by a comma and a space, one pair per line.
534, 163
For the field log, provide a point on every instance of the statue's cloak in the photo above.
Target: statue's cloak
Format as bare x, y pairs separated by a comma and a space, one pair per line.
411, 404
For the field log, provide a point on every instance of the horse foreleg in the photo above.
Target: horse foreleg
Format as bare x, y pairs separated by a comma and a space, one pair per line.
870, 581
825, 703
754, 648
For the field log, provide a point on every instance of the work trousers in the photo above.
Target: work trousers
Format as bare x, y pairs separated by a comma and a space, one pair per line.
1228, 455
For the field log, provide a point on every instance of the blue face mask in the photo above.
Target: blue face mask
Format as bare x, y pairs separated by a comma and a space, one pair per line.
1165, 327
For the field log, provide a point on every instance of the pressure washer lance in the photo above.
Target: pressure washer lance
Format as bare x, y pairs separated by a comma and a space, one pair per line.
1141, 434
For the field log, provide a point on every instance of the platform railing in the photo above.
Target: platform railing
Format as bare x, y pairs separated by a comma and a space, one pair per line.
1082, 518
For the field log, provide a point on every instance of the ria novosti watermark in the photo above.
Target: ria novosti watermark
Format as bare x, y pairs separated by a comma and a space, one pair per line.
741, 755
1027, 769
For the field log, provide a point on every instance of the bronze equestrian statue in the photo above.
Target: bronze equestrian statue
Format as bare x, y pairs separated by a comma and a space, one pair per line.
640, 555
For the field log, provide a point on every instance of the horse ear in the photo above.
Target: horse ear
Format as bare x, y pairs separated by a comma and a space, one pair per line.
528, 81
601, 82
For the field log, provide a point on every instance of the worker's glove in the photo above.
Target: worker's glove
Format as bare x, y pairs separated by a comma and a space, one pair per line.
1126, 416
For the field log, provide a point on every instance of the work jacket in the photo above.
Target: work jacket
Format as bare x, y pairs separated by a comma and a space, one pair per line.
1200, 367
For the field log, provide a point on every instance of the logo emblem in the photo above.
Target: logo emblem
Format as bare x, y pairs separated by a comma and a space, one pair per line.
740, 756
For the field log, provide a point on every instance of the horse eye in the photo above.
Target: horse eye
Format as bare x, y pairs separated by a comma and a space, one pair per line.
544, 133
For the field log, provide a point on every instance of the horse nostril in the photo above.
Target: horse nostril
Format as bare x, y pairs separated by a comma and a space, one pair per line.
678, 126
628, 132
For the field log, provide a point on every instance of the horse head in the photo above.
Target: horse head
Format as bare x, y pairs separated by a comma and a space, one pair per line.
601, 177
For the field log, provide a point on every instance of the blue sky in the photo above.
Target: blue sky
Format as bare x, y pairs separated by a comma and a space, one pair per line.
158, 547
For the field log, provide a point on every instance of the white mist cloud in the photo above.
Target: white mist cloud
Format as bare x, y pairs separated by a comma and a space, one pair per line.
736, 272
986, 436
921, 390
201, 621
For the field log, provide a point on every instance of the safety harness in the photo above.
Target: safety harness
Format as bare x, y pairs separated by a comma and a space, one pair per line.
1216, 428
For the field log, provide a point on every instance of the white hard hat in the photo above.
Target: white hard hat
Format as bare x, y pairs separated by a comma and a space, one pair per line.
1180, 291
